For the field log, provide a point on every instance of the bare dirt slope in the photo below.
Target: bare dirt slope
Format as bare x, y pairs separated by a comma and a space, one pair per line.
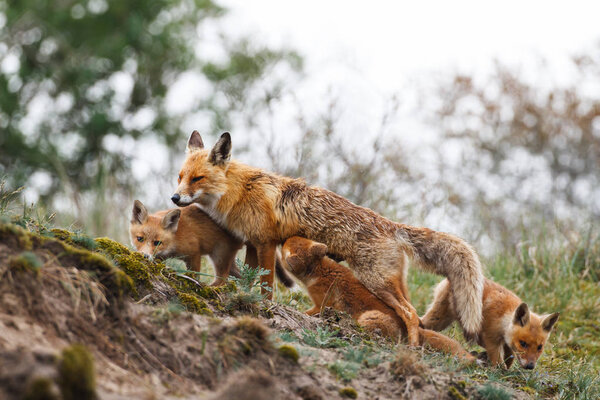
87, 319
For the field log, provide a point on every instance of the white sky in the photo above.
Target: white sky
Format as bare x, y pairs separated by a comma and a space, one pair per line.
392, 41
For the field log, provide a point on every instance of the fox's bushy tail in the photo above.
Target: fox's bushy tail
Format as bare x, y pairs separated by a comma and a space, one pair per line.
452, 257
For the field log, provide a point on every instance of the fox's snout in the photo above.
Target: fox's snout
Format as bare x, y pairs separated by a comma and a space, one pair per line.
176, 198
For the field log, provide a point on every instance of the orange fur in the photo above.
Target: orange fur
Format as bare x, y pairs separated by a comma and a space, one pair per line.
508, 331
331, 284
189, 233
266, 209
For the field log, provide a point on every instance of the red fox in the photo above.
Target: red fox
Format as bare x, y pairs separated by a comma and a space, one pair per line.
266, 209
333, 285
508, 327
190, 233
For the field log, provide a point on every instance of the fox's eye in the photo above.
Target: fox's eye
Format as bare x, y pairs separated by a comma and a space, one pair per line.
179, 179
539, 347
157, 242
197, 178
523, 344
140, 239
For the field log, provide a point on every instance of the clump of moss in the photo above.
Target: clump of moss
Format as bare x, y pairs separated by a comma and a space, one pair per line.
454, 393
348, 392
111, 277
289, 352
42, 389
13, 233
134, 264
194, 304
76, 373
26, 261
74, 238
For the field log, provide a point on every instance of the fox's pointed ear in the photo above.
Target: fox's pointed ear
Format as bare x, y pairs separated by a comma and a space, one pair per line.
549, 321
171, 220
221, 152
521, 315
318, 250
194, 142
139, 214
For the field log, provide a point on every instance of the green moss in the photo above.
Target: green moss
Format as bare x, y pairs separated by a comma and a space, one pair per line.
41, 389
289, 351
11, 232
194, 304
26, 261
348, 392
74, 238
76, 374
528, 390
454, 393
141, 270
114, 248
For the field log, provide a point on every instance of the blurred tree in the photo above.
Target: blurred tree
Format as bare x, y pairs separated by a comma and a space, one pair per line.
527, 153
77, 73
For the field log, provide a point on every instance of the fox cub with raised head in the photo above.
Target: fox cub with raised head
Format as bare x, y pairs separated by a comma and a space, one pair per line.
509, 329
333, 285
189, 233
266, 209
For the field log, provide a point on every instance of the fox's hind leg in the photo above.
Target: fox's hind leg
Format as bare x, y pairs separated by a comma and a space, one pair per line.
389, 291
440, 313
378, 322
445, 344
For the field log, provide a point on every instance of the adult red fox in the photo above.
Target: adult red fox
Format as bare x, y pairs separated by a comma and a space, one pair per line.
508, 330
188, 232
333, 285
266, 209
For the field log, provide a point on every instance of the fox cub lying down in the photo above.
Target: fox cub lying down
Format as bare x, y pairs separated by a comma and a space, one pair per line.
189, 232
333, 285
508, 329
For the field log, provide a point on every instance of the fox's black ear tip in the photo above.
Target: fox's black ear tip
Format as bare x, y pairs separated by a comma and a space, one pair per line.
226, 135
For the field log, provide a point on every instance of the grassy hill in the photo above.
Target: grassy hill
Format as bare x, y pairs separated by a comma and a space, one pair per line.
84, 318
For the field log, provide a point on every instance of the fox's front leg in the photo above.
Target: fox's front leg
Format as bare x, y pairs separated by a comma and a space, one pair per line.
509, 356
495, 354
266, 260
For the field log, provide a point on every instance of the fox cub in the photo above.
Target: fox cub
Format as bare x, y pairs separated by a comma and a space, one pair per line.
333, 285
188, 232
509, 329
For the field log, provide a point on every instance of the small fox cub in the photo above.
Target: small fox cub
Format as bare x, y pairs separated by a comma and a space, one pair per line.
333, 285
188, 232
508, 331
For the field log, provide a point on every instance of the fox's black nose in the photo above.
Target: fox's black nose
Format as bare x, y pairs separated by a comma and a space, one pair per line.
530, 366
175, 198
